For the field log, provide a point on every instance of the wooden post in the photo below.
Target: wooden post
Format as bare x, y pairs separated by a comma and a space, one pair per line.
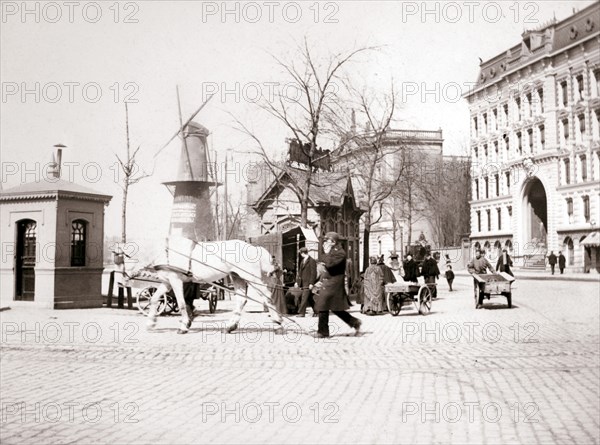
111, 285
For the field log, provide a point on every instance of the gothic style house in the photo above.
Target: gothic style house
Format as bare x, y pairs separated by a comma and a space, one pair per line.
535, 145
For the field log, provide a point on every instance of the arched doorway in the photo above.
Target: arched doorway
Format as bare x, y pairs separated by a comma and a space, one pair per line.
25, 260
535, 213
569, 248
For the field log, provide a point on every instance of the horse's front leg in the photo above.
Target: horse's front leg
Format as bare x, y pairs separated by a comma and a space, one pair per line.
264, 295
185, 322
161, 292
240, 302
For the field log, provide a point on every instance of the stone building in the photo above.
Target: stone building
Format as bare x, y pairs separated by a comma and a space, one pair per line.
535, 145
52, 234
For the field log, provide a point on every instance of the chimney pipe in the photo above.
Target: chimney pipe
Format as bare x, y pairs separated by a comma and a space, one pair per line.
57, 170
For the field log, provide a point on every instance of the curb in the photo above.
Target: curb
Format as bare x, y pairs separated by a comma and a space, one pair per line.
590, 279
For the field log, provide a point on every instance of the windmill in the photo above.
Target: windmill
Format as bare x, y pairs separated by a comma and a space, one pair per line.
191, 214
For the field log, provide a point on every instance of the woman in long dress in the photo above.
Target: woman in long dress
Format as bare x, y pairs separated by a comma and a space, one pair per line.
373, 289
276, 288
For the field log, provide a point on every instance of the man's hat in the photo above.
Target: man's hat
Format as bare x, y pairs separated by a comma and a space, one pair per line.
333, 236
303, 250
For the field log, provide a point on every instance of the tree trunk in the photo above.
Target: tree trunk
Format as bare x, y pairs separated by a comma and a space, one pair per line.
124, 212
366, 237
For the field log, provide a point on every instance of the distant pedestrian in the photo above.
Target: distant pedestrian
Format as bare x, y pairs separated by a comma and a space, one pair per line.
306, 279
430, 272
552, 261
276, 287
561, 262
410, 269
449, 276
504, 263
332, 295
373, 289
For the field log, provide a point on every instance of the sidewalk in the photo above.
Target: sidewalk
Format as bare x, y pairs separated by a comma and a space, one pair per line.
525, 274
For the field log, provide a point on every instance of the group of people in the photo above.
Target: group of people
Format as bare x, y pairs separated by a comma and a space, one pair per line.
323, 290
553, 259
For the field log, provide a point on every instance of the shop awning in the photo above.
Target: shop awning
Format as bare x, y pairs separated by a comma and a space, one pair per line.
592, 240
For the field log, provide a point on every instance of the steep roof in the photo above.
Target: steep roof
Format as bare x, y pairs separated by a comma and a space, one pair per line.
49, 188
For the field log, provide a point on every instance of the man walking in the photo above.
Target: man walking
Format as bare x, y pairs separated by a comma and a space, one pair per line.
561, 262
332, 296
504, 263
410, 269
305, 280
430, 272
552, 261
479, 265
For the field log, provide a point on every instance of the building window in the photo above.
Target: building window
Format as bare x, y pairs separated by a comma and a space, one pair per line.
564, 94
475, 126
505, 114
520, 143
489, 219
477, 189
509, 208
497, 178
528, 105
530, 140
518, 109
583, 166
496, 149
580, 87
581, 121
508, 182
542, 137
540, 106
586, 208
506, 145
596, 124
499, 213
478, 221
570, 210
596, 81
565, 131
567, 163
495, 118
78, 239
476, 152
484, 127
485, 152
487, 188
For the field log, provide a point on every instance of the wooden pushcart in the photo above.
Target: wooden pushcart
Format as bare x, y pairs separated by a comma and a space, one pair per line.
404, 293
493, 284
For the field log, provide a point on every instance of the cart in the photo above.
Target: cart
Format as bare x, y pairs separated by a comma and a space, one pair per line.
405, 293
168, 303
493, 284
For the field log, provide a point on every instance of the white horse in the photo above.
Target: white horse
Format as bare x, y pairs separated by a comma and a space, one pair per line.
186, 261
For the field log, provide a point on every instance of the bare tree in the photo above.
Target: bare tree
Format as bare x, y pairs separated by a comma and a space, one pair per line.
306, 116
375, 157
130, 176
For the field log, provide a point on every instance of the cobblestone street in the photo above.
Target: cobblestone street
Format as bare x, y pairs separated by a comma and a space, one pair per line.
529, 374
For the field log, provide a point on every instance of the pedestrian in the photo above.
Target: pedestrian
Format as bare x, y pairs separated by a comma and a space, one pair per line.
430, 272
276, 287
552, 261
504, 263
561, 262
410, 269
479, 265
306, 279
373, 289
449, 276
332, 296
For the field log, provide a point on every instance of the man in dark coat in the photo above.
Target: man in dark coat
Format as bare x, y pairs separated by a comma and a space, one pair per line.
561, 262
332, 296
552, 261
410, 269
430, 271
504, 263
306, 279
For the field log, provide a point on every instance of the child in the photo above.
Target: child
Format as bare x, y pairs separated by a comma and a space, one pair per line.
449, 276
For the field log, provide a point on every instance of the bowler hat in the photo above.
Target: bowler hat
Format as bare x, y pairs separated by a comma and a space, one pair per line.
333, 236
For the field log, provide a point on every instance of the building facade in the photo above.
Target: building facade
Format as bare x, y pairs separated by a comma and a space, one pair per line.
535, 145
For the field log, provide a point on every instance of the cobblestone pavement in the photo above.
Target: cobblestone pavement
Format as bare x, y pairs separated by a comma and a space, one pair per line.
529, 374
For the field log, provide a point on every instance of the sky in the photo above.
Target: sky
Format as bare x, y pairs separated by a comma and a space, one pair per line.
67, 70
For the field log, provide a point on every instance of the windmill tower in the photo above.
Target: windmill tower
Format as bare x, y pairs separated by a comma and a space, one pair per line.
191, 214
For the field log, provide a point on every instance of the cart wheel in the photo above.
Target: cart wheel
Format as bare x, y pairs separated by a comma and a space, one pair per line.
142, 300
172, 306
508, 296
394, 303
212, 302
425, 295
